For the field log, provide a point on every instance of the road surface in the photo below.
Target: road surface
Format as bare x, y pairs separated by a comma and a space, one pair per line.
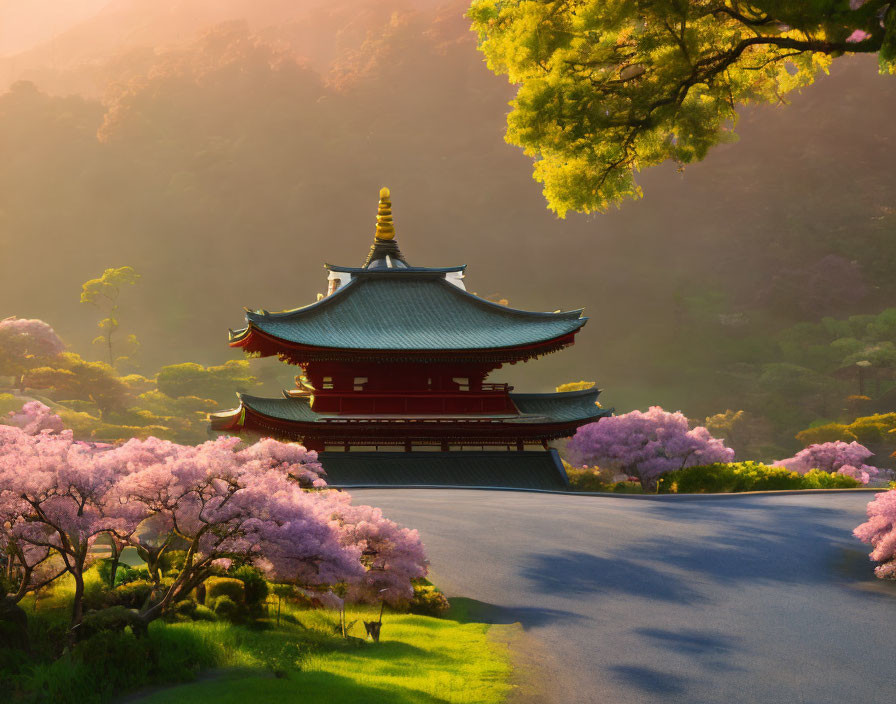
753, 599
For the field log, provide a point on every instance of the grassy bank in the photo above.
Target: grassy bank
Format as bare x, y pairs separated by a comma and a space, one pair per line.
419, 660
298, 656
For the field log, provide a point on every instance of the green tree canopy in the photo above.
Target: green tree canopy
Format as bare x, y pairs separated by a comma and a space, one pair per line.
218, 383
610, 87
103, 293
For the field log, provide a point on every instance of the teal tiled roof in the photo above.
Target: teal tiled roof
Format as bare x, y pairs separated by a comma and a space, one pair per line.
562, 407
410, 310
292, 409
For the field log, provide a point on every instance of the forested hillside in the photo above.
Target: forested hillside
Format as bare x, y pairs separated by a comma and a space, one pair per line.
227, 150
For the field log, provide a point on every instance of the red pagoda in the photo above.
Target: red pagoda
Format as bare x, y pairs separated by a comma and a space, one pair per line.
393, 391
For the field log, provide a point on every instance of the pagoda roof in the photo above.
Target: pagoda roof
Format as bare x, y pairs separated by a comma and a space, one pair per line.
404, 268
534, 409
412, 309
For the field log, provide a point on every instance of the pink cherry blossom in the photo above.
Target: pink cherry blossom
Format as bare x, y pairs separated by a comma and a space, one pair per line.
646, 445
220, 501
29, 337
834, 457
35, 418
879, 531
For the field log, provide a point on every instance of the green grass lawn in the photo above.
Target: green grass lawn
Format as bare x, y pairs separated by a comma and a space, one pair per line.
419, 659
300, 657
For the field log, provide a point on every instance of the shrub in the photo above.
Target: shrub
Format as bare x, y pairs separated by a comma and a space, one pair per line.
226, 608
203, 613
131, 594
586, 479
114, 618
184, 610
735, 477
819, 479
427, 601
627, 488
255, 586
216, 587
172, 561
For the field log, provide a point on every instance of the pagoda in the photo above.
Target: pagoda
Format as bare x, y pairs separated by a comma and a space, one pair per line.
393, 388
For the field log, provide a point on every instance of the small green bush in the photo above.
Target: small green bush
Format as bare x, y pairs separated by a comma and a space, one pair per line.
427, 601
595, 479
131, 594
172, 561
216, 587
819, 479
735, 477
585, 479
203, 613
627, 488
226, 608
255, 586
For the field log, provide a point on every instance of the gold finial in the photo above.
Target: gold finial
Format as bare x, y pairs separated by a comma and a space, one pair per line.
385, 228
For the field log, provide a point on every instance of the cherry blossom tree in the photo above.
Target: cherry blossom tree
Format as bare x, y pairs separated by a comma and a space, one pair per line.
25, 344
35, 417
220, 502
68, 497
879, 531
836, 457
646, 445
391, 554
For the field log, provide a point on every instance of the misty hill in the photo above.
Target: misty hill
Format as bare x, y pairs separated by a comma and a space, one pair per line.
107, 40
227, 169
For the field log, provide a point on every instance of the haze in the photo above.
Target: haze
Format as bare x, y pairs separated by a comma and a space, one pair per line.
226, 150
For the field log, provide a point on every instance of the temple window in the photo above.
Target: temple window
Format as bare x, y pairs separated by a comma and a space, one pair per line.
327, 382
463, 383
359, 383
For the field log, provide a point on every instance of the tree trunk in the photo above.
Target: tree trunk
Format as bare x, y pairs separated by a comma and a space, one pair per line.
116, 554
77, 607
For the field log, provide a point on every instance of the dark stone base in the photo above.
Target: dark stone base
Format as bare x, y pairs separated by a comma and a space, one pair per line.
519, 470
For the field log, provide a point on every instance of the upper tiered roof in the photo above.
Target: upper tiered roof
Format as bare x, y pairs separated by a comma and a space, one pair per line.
408, 309
390, 306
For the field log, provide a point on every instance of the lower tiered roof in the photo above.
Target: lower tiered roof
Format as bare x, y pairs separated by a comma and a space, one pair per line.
563, 408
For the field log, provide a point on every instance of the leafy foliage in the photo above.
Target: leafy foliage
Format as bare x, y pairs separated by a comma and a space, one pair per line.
428, 600
103, 293
748, 476
611, 87
219, 383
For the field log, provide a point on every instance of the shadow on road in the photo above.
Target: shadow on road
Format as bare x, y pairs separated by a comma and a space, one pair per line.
572, 573
469, 610
672, 564
650, 680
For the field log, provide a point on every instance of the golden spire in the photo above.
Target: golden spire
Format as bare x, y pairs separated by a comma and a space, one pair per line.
385, 228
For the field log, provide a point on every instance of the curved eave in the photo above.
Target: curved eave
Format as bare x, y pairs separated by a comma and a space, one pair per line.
477, 323
293, 416
359, 271
257, 342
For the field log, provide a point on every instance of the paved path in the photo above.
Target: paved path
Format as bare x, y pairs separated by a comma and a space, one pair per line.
754, 599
